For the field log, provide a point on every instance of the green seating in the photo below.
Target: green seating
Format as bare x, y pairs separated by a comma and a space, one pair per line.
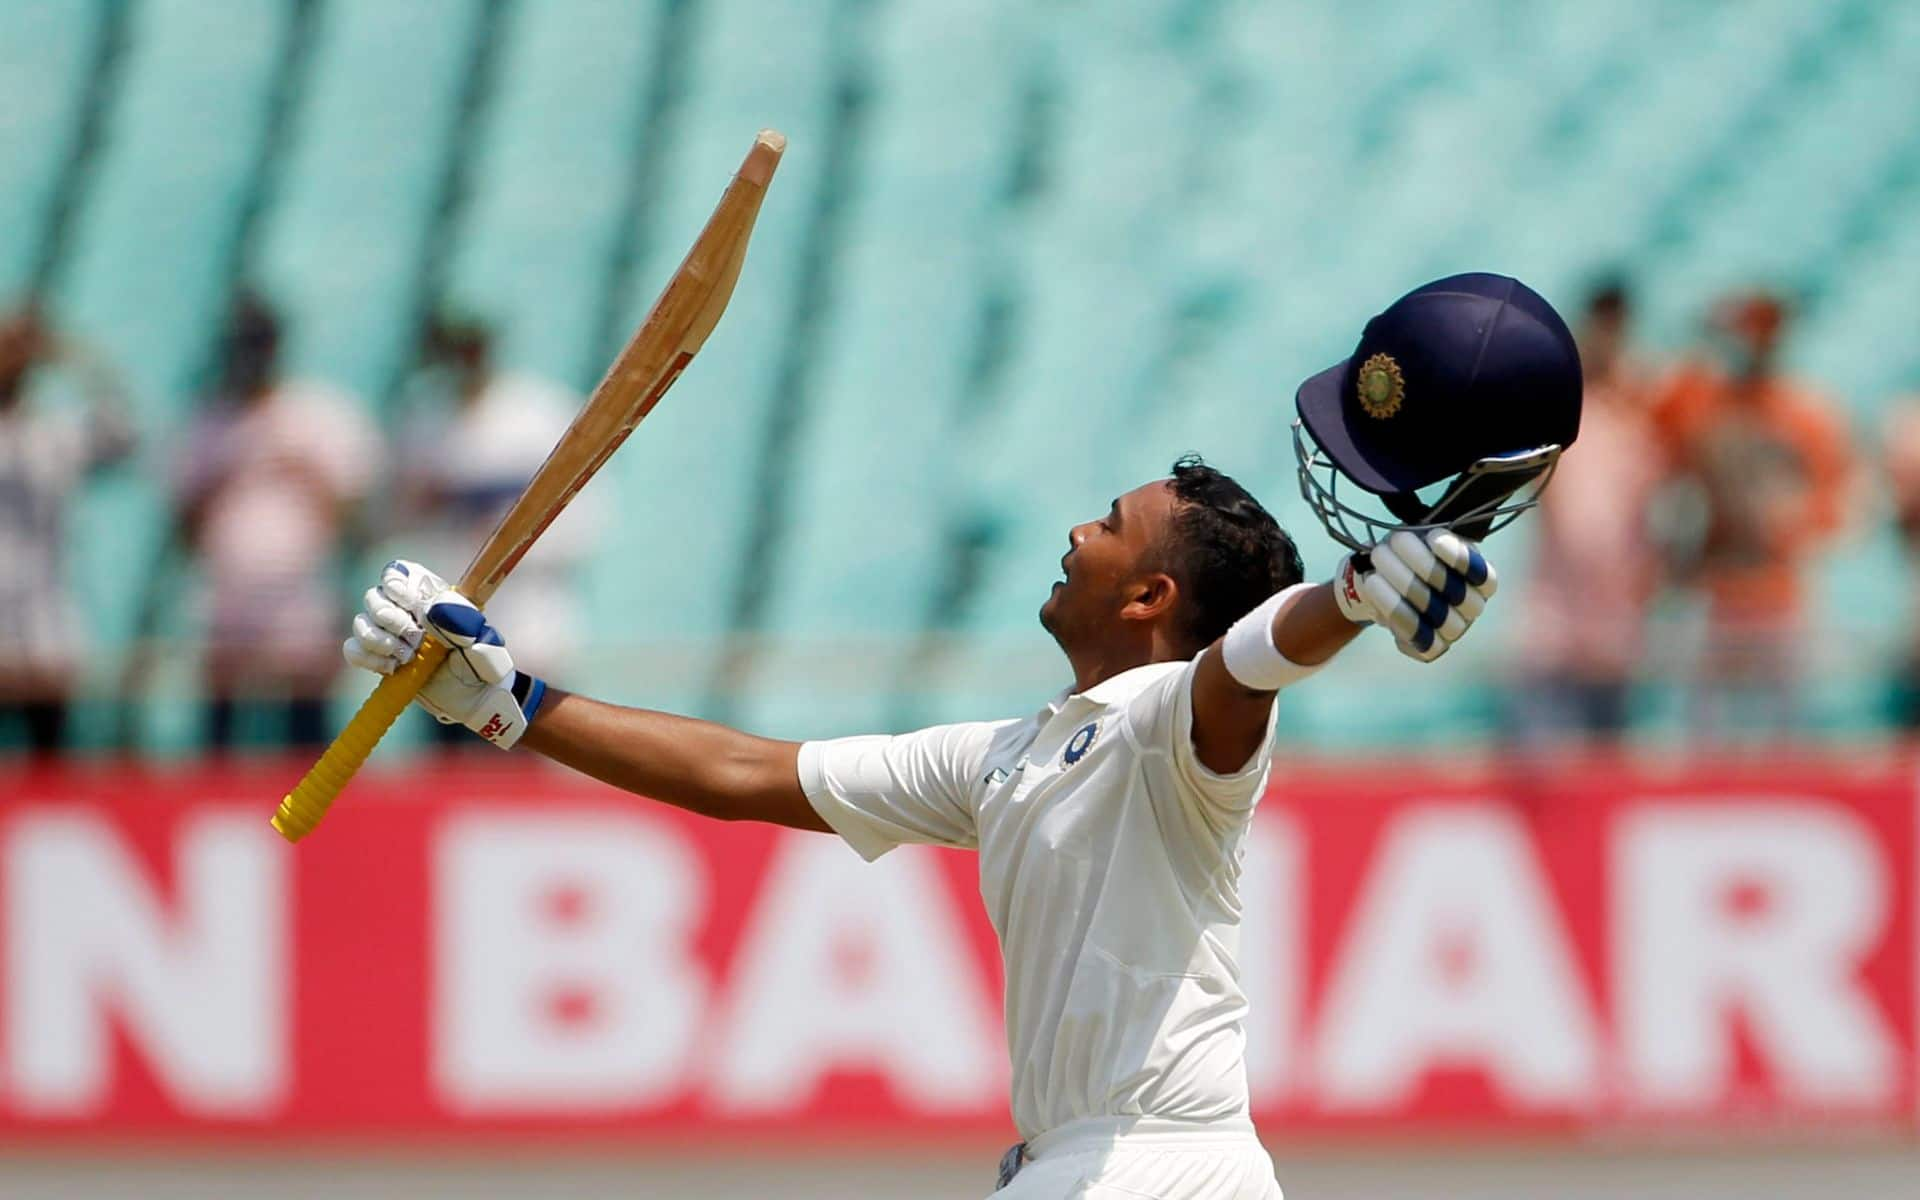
46, 59
1044, 255
550, 177
685, 488
145, 281
342, 246
876, 469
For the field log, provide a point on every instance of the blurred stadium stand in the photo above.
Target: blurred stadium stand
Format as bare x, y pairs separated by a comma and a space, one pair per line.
1020, 257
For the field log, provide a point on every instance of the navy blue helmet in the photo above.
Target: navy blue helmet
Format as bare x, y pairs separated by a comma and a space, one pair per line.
1472, 380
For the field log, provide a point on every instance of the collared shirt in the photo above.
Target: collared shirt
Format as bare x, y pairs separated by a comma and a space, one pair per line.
1110, 866
474, 460
278, 478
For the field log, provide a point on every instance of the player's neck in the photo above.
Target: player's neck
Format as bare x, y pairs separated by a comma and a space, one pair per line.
1094, 665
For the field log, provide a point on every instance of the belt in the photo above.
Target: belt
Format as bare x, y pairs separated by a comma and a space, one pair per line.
1094, 1133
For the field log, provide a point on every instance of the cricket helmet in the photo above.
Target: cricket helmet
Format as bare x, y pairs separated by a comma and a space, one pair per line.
1472, 380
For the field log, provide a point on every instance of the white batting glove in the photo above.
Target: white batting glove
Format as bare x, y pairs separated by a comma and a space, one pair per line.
477, 686
1427, 588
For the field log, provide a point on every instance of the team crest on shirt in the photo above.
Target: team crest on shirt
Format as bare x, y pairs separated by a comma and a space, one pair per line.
1080, 743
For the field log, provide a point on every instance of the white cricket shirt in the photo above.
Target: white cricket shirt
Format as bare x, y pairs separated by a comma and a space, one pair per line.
1110, 866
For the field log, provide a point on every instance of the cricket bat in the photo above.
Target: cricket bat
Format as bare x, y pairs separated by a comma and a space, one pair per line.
673, 332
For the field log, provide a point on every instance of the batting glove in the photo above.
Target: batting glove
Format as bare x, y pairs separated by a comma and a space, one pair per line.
477, 686
1427, 588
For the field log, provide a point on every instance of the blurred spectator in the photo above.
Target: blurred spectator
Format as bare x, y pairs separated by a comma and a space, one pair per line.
1768, 462
1903, 480
45, 453
475, 435
1595, 571
272, 472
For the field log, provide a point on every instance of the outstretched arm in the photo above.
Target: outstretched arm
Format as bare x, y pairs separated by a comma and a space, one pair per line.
696, 765
1427, 589
1230, 718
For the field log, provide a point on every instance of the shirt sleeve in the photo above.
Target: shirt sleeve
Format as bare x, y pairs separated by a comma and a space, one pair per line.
1161, 718
879, 792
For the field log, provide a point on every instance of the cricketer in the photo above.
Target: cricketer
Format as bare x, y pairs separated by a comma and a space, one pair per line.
1110, 823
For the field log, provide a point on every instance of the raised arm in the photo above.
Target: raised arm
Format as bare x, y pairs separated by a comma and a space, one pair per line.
1229, 717
1427, 589
696, 765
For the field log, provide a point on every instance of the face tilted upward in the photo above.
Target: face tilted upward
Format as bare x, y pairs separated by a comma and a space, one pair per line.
1105, 561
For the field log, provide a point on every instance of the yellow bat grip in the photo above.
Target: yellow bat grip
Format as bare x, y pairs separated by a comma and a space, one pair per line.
302, 808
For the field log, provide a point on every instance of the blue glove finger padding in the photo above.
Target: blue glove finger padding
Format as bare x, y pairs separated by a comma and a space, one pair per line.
1419, 603
1386, 600
1478, 570
1432, 604
1432, 569
479, 645
1423, 637
459, 623
1464, 558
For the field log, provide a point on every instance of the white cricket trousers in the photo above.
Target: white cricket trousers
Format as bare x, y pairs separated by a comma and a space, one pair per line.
1140, 1158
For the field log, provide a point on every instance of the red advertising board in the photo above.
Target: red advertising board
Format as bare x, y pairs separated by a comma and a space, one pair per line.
499, 948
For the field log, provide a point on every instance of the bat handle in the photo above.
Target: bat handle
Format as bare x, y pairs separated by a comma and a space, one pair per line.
303, 807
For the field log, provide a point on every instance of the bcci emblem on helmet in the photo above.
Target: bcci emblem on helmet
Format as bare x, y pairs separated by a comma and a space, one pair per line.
1498, 378
1381, 386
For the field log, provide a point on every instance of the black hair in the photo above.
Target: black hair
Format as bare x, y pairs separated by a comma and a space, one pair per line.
1610, 296
452, 331
1225, 551
252, 321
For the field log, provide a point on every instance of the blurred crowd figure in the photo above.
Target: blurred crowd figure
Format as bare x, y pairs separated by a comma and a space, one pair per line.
1902, 436
1596, 571
1715, 481
475, 434
1768, 463
273, 492
270, 480
1708, 484
48, 448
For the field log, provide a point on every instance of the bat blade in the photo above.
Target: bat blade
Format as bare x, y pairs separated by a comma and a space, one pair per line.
674, 330
672, 333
